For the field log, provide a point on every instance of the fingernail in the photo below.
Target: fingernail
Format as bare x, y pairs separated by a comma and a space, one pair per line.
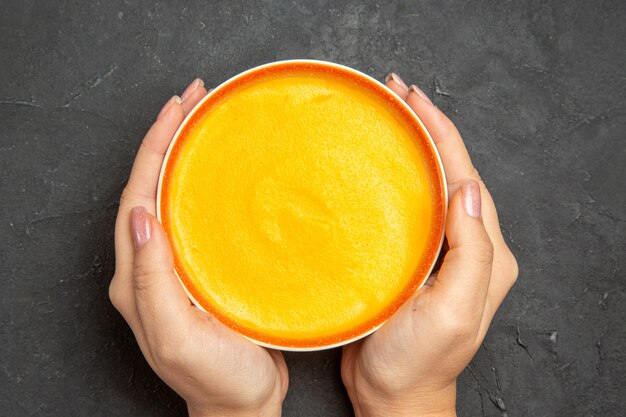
192, 87
174, 99
396, 78
420, 93
140, 226
471, 198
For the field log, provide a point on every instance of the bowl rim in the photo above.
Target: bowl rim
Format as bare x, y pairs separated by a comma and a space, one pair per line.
357, 73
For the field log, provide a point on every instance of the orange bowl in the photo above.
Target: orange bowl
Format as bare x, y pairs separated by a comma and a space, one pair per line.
304, 202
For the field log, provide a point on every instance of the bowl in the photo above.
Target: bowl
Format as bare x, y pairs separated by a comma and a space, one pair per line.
285, 179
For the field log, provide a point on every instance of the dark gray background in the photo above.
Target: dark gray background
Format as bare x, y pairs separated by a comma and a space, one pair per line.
537, 88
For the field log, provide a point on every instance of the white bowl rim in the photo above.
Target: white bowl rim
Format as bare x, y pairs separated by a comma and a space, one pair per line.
358, 74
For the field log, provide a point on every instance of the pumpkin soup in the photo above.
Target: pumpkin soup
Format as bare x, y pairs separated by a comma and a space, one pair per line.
304, 204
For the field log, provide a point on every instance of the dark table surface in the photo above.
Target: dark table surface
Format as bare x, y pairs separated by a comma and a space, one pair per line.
536, 88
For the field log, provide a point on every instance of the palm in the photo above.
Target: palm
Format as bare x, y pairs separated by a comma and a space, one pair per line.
386, 356
212, 349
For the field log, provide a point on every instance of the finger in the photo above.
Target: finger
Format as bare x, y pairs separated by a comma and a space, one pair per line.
144, 176
463, 280
395, 84
142, 184
431, 279
505, 270
281, 364
192, 95
124, 302
459, 169
454, 156
503, 277
162, 305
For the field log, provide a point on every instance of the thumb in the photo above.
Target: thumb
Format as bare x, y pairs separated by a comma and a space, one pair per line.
466, 270
159, 296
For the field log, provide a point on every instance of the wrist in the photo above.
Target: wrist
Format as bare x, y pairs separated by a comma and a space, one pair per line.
401, 412
267, 411
441, 403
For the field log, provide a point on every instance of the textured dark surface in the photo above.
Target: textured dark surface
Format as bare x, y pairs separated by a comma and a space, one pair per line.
538, 90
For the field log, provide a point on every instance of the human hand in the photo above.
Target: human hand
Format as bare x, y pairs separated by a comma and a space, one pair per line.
217, 371
410, 365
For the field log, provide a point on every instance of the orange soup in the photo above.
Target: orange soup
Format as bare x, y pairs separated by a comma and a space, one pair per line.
304, 204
